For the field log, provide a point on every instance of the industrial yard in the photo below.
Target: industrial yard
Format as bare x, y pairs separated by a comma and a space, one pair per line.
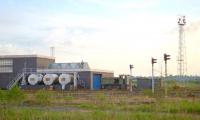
35, 87
99, 60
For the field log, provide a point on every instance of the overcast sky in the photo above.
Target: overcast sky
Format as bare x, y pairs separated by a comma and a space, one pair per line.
109, 34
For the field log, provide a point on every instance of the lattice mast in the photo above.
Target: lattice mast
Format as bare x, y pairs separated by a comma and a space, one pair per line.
182, 64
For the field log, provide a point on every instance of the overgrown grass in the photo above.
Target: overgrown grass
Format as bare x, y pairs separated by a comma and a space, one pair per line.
42, 97
180, 106
189, 85
13, 96
101, 106
69, 98
22, 114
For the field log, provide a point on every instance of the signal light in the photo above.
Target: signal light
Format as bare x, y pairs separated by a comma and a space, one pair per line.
131, 66
166, 57
153, 60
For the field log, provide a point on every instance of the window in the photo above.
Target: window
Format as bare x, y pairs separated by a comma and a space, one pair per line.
5, 62
6, 65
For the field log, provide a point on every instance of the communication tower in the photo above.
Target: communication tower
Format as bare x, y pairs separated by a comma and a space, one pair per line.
182, 64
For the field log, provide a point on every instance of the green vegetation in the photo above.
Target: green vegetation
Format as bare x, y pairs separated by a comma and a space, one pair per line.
13, 96
96, 105
19, 114
189, 85
42, 97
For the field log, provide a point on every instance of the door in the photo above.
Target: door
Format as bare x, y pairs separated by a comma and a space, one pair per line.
96, 81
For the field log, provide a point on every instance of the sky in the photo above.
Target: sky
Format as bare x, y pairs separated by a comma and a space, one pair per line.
108, 34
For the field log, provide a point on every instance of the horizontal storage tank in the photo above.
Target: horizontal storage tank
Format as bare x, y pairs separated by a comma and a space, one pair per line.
64, 79
48, 79
33, 79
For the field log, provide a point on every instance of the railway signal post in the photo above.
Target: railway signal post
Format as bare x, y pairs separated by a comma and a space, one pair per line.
153, 61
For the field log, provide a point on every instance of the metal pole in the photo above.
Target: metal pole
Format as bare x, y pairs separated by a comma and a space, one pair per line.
165, 68
161, 75
165, 77
152, 82
75, 80
131, 71
130, 81
23, 82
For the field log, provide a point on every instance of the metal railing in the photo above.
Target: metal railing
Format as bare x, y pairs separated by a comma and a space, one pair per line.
14, 81
29, 70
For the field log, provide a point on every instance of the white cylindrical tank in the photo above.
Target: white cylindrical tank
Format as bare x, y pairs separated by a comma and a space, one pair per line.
48, 79
33, 79
64, 79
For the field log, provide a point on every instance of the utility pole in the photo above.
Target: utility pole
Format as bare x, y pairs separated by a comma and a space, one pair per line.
152, 81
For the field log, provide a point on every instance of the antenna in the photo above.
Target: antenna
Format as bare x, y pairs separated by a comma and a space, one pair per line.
182, 64
52, 51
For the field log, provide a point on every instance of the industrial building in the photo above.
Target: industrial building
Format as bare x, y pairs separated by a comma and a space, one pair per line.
87, 77
11, 66
23, 69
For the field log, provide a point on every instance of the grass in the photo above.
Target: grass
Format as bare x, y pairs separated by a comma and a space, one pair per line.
13, 96
189, 85
98, 105
42, 97
21, 114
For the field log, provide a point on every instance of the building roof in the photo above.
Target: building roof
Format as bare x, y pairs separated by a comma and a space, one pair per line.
78, 66
72, 70
26, 56
81, 65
